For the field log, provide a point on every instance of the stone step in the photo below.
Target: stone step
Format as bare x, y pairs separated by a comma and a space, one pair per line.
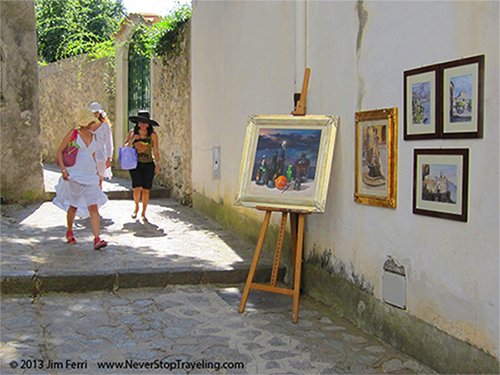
38, 283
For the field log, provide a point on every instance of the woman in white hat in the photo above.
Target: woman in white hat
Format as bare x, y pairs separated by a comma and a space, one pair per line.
104, 136
77, 191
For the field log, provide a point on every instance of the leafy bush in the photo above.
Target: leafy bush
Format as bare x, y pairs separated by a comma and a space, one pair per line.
160, 38
71, 27
68, 28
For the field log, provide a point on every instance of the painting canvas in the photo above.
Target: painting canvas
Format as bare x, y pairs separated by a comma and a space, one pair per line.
463, 98
421, 103
440, 183
376, 156
286, 162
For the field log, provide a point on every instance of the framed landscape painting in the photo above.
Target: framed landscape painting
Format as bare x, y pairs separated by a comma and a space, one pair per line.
422, 103
440, 183
376, 157
286, 162
463, 85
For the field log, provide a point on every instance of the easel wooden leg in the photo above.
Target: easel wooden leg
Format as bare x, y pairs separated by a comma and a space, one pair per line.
279, 248
298, 268
297, 229
293, 231
255, 260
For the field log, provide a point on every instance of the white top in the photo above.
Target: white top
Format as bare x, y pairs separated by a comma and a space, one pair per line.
105, 142
84, 171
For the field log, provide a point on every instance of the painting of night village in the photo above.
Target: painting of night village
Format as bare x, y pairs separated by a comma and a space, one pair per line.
439, 183
285, 161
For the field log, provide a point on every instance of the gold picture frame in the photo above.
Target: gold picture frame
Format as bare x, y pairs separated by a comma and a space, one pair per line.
287, 161
376, 154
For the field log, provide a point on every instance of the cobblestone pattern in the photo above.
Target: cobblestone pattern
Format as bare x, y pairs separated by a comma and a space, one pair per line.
188, 324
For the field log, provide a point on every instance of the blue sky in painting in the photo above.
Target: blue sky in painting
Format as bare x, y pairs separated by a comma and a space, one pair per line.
448, 170
462, 83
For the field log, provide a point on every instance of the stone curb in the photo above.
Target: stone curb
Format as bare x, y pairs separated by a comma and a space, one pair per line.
32, 283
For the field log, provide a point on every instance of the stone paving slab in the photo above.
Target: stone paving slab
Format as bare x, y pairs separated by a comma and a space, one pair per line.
184, 326
176, 246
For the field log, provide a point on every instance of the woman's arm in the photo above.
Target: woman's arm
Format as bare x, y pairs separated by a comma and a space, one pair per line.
156, 152
108, 141
59, 158
130, 138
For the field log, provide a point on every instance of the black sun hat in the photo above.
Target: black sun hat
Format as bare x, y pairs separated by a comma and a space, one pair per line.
143, 116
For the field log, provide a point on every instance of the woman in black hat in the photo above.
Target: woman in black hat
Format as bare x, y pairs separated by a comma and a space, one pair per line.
144, 139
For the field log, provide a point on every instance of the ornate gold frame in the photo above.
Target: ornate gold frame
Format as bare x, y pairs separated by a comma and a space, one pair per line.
375, 181
313, 200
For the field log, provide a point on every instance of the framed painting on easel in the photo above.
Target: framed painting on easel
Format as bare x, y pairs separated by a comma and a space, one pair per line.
287, 161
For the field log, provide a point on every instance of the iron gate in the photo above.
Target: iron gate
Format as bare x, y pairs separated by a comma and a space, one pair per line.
139, 85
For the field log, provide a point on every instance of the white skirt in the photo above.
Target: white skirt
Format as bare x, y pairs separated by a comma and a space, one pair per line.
71, 193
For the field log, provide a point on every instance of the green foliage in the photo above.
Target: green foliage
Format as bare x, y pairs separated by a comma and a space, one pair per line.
68, 28
160, 38
71, 27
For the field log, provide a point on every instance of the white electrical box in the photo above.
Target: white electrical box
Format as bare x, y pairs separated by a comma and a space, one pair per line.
394, 289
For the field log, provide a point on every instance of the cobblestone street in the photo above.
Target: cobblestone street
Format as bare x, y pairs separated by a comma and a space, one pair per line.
181, 325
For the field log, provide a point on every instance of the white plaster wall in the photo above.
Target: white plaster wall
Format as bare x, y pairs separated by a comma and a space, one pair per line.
243, 63
243, 56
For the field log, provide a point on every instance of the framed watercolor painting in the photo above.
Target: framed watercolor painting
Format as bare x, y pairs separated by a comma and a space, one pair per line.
422, 103
463, 85
287, 161
376, 157
440, 183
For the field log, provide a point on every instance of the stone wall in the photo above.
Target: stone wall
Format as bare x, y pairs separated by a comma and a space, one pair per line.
21, 172
66, 86
171, 107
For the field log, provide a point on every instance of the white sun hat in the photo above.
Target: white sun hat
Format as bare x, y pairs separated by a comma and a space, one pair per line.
95, 107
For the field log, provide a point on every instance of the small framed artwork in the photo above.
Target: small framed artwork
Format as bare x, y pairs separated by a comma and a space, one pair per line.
287, 161
440, 183
463, 83
376, 157
422, 103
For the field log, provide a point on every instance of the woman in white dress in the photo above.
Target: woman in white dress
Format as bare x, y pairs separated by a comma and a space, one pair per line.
104, 136
77, 191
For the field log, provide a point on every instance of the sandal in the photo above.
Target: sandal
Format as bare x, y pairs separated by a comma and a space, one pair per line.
134, 215
70, 238
98, 243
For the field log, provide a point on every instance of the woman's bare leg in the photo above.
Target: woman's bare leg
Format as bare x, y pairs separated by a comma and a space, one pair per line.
137, 199
70, 217
95, 220
145, 201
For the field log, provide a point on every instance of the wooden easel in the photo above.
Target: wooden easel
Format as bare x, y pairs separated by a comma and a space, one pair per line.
300, 108
297, 220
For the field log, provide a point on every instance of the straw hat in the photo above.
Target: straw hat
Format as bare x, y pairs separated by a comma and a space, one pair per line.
83, 117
